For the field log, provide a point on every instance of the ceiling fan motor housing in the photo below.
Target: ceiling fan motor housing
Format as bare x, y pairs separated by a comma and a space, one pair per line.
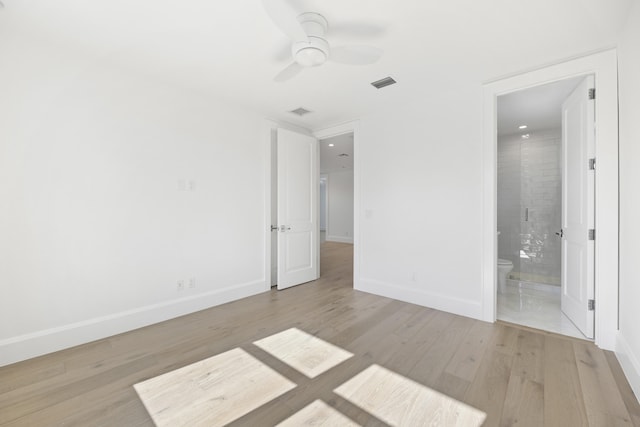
315, 51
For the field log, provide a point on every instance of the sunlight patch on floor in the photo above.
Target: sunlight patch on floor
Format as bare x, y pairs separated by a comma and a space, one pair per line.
305, 353
400, 401
223, 388
214, 391
317, 413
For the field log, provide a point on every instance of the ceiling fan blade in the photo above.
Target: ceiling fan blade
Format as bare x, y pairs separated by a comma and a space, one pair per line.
355, 54
289, 72
357, 29
283, 52
285, 18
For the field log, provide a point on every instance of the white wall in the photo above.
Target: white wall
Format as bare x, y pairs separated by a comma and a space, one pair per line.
628, 346
420, 201
113, 188
340, 207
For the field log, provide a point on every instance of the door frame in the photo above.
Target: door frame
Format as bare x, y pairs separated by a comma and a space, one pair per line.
603, 65
341, 129
325, 177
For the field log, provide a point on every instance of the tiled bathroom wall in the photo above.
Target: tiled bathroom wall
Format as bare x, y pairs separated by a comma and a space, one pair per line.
529, 205
509, 199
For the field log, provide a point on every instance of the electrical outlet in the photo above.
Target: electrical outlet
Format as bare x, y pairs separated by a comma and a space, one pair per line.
180, 285
192, 282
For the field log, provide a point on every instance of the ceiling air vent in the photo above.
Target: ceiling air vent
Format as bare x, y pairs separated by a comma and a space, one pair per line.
300, 111
387, 81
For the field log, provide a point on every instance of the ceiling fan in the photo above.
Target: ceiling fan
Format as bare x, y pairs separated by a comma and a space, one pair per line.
309, 46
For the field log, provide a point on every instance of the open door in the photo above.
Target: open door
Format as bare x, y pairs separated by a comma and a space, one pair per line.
297, 208
578, 206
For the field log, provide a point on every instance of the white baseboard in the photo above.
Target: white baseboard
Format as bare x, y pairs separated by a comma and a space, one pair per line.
462, 307
339, 239
35, 344
629, 362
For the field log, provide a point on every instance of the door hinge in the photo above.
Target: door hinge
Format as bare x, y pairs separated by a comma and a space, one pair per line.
592, 93
592, 164
592, 305
592, 234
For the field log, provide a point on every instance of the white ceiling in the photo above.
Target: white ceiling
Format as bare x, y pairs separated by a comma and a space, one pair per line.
332, 159
228, 49
539, 108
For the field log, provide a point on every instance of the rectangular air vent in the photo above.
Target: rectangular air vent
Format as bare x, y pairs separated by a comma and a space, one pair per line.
387, 81
300, 111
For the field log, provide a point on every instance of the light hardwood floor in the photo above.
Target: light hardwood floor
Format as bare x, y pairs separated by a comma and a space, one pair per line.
516, 376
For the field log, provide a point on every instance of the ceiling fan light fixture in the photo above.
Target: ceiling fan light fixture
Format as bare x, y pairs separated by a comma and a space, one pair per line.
311, 53
310, 57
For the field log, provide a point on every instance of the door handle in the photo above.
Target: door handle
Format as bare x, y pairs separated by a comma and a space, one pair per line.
560, 233
284, 228
274, 227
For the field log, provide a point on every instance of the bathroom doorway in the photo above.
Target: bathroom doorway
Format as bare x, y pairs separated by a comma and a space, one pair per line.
541, 271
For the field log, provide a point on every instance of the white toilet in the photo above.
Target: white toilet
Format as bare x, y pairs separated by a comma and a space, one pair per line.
504, 268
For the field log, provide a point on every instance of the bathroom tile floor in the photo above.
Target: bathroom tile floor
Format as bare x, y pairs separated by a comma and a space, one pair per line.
536, 308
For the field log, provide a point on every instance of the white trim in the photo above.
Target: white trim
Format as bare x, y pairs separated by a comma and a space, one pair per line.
462, 307
341, 129
325, 177
267, 129
26, 346
629, 362
604, 66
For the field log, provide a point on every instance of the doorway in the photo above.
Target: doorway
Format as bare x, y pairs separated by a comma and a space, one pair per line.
272, 220
603, 66
537, 185
336, 172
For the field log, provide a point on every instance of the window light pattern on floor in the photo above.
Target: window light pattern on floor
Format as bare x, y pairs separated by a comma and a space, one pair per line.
224, 388
317, 413
400, 401
305, 353
214, 391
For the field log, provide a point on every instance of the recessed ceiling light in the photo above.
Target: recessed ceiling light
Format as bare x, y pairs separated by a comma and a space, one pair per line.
332, 145
526, 136
522, 127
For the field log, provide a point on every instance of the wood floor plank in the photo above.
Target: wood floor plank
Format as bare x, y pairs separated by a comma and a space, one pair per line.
466, 360
433, 363
524, 403
602, 398
516, 376
489, 389
628, 397
563, 402
529, 357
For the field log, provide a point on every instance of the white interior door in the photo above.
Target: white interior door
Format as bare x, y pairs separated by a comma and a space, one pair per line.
297, 208
578, 194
